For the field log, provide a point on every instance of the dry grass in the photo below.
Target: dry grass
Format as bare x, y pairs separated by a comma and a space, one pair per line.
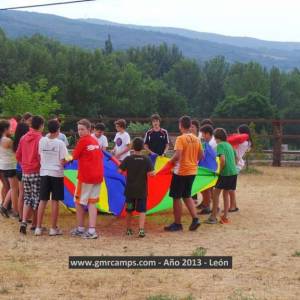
262, 238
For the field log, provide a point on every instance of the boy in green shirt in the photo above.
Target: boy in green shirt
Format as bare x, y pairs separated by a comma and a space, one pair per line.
227, 177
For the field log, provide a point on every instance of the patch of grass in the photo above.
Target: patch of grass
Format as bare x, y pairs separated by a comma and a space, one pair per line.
251, 171
296, 254
239, 295
19, 285
3, 290
200, 251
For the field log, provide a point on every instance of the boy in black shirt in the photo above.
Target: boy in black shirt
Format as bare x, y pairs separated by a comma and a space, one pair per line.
156, 139
137, 167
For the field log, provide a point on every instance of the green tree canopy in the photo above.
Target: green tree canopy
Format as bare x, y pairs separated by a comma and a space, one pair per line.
21, 98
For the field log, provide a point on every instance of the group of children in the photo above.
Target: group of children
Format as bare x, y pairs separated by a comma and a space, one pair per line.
32, 171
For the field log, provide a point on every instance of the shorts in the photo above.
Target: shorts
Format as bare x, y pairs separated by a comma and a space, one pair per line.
87, 193
9, 173
227, 183
138, 205
19, 175
52, 185
181, 186
32, 184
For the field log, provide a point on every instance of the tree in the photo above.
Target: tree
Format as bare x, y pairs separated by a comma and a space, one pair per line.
212, 85
21, 98
254, 105
246, 78
108, 46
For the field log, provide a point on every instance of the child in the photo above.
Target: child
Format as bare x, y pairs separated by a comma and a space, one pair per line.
22, 129
240, 152
53, 153
206, 132
100, 137
156, 139
122, 141
188, 151
29, 159
228, 175
137, 167
90, 177
8, 168
195, 131
61, 136
195, 128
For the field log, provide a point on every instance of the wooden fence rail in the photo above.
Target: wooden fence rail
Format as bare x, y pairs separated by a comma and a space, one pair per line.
277, 137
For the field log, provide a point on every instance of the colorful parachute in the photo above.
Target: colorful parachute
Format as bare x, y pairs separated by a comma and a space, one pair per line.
112, 199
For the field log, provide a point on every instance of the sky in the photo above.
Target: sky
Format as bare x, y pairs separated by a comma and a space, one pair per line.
276, 20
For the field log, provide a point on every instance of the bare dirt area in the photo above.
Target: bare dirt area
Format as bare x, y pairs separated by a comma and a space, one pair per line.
263, 239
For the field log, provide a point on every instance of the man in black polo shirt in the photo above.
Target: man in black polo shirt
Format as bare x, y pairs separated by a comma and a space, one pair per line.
156, 139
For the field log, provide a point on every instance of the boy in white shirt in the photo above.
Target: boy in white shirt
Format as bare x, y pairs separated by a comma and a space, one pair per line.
100, 137
122, 141
52, 152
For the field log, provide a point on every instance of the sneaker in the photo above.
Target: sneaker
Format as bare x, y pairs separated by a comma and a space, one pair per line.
224, 220
23, 228
55, 231
174, 227
234, 209
4, 212
195, 224
204, 211
142, 233
38, 231
76, 232
211, 220
88, 235
129, 232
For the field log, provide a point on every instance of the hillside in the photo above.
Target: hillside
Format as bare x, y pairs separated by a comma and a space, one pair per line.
87, 34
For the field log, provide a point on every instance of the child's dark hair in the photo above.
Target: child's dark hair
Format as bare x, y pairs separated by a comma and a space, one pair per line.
245, 129
100, 126
22, 129
121, 123
138, 144
220, 134
53, 126
196, 124
37, 122
155, 117
206, 122
27, 116
185, 122
4, 125
207, 129
86, 123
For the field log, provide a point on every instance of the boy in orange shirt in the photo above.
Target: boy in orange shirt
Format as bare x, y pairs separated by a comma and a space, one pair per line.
188, 151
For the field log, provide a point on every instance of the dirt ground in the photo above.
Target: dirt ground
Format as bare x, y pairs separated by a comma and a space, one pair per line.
262, 238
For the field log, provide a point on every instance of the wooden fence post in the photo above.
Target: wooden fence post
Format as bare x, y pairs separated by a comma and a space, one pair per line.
277, 143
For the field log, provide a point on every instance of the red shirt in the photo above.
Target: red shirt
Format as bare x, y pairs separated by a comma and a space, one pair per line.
90, 160
27, 153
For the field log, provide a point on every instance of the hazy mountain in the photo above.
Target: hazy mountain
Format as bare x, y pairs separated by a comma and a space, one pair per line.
92, 34
212, 37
